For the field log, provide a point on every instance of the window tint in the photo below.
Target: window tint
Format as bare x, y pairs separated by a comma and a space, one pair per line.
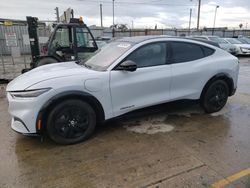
149, 55
207, 51
184, 52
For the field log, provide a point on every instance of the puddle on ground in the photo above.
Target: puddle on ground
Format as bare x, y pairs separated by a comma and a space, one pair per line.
149, 125
166, 122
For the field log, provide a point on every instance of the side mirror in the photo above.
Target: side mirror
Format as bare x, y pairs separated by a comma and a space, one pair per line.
127, 65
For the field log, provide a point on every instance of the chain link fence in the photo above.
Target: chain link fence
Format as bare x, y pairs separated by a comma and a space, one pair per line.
15, 49
15, 58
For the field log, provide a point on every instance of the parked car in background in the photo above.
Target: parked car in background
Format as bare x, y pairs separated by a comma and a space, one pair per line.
244, 40
68, 99
221, 42
242, 49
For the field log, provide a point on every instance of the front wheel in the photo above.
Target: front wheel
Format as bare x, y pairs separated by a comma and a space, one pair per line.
215, 96
71, 121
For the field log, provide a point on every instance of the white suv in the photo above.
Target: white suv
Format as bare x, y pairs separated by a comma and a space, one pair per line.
68, 99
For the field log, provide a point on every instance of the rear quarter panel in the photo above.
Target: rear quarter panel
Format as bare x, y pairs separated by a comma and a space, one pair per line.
189, 79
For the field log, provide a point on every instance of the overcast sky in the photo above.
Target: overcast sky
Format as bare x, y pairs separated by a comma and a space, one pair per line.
144, 13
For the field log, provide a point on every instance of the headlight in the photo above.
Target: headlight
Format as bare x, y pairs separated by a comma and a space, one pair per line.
245, 50
28, 93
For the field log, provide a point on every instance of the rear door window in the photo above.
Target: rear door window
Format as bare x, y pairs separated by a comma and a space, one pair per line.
184, 52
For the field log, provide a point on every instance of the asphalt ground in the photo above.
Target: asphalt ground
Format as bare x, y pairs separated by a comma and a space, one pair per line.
171, 145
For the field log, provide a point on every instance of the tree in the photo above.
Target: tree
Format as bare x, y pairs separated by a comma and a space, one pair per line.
122, 27
241, 25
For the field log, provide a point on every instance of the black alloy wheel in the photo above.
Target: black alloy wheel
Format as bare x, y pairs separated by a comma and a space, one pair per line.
71, 121
215, 96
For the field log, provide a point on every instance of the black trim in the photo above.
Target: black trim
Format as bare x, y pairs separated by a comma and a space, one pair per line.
21, 121
28, 134
63, 94
224, 75
75, 93
233, 92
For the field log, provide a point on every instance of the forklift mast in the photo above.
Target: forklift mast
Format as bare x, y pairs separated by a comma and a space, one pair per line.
69, 41
33, 37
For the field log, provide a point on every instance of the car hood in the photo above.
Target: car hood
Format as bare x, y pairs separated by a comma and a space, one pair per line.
243, 45
47, 72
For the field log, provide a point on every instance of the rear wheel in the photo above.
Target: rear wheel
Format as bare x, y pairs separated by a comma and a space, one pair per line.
45, 61
71, 121
215, 96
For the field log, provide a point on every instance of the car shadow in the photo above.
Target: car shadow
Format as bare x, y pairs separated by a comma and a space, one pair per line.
181, 107
107, 127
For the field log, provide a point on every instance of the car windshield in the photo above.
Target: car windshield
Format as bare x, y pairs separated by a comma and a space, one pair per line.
218, 40
244, 40
105, 56
234, 41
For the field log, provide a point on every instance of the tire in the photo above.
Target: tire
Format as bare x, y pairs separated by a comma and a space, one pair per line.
45, 61
71, 121
215, 96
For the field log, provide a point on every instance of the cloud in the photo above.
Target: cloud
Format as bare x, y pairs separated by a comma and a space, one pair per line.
144, 13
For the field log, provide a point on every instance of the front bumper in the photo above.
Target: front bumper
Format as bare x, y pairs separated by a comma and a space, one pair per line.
24, 112
232, 51
19, 126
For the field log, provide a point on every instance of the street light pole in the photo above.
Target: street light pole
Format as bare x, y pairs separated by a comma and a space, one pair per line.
190, 17
101, 15
215, 17
113, 31
199, 10
57, 14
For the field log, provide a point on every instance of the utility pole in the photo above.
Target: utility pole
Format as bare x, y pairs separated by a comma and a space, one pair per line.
132, 24
215, 17
199, 10
101, 15
113, 31
57, 14
190, 17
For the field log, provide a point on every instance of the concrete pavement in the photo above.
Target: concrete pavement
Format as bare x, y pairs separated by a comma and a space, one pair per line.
172, 145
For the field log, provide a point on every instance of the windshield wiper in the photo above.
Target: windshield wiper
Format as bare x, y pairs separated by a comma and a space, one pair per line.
79, 62
87, 66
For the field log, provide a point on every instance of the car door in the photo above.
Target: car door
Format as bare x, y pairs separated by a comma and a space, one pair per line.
146, 86
189, 69
85, 44
61, 44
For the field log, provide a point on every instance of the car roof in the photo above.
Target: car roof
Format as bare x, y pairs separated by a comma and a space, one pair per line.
206, 36
139, 39
206, 41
